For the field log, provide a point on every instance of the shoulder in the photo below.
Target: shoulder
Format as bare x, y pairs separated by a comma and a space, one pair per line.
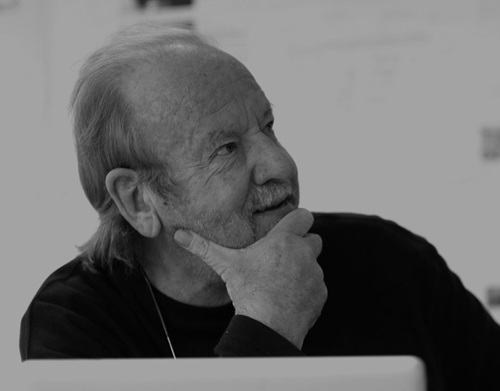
370, 231
373, 245
75, 312
77, 278
73, 287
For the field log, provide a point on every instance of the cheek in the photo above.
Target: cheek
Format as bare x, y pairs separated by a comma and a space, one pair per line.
233, 191
223, 192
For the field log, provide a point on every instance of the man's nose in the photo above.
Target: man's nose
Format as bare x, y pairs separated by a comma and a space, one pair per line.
271, 161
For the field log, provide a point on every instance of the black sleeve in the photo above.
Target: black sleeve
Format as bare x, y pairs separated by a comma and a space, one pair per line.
464, 336
467, 338
61, 333
81, 315
246, 337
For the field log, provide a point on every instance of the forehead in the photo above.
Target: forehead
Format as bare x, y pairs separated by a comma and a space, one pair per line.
235, 102
231, 112
185, 98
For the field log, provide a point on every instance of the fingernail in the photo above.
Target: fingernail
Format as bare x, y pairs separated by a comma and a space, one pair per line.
183, 237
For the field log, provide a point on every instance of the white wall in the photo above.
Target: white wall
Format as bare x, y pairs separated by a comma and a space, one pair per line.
381, 103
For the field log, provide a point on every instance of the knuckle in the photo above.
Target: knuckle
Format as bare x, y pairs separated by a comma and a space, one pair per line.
324, 292
321, 295
202, 248
319, 242
321, 274
316, 243
319, 281
312, 248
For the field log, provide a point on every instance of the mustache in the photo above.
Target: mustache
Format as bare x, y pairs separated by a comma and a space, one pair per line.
269, 195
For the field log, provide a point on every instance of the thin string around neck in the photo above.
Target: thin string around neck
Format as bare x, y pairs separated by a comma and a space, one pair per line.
159, 314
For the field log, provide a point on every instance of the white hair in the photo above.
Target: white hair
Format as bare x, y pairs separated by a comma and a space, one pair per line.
108, 135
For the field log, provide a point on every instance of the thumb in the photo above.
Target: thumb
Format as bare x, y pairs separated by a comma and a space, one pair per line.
213, 254
298, 221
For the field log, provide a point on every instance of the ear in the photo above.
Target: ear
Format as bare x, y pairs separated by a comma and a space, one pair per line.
133, 201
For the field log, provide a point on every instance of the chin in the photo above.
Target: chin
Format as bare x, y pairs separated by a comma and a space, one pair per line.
267, 220
264, 227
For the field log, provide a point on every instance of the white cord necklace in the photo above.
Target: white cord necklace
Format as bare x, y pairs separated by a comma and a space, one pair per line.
159, 314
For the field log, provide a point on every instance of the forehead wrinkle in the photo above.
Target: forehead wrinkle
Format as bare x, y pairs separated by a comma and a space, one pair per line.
179, 104
167, 124
226, 128
196, 105
207, 101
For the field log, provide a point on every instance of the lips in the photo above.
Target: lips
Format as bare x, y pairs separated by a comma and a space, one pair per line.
274, 206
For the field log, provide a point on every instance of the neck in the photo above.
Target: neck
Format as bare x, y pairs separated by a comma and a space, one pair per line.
182, 276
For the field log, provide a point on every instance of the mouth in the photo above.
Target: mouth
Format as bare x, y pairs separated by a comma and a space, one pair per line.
275, 206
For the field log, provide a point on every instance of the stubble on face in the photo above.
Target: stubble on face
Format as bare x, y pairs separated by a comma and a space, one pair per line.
237, 228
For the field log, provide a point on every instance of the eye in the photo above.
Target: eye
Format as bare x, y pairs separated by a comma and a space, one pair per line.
269, 128
226, 149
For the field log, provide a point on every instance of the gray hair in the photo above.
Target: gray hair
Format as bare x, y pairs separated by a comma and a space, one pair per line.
108, 135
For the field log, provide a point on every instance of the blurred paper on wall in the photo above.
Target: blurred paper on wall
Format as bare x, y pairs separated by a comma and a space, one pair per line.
491, 143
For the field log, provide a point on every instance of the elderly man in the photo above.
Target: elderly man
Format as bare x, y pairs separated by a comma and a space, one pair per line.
202, 249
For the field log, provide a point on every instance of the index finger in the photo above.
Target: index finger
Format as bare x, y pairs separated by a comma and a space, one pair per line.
298, 221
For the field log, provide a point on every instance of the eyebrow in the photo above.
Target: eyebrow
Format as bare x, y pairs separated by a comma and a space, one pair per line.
269, 110
216, 134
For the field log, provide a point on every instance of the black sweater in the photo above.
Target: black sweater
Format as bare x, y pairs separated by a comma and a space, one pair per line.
389, 293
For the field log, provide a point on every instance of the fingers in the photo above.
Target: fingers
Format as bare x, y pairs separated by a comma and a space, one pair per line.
219, 258
211, 253
315, 242
298, 221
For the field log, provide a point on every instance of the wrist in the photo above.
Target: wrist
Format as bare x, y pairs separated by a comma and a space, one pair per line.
287, 328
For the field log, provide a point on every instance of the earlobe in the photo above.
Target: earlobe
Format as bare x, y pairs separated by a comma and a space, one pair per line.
133, 201
151, 222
